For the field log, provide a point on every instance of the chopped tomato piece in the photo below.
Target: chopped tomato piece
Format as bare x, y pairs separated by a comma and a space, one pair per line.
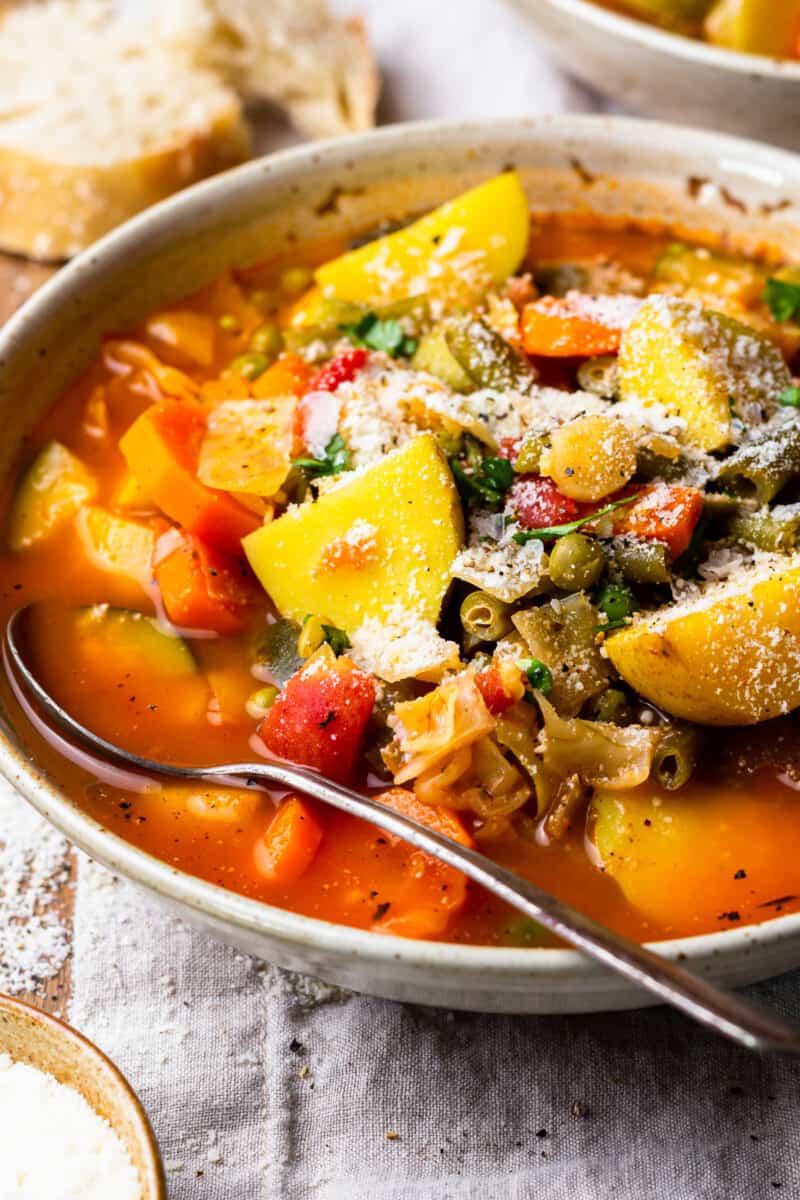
537, 503
290, 375
205, 588
495, 696
509, 448
162, 449
664, 513
290, 843
430, 893
320, 718
339, 370
566, 327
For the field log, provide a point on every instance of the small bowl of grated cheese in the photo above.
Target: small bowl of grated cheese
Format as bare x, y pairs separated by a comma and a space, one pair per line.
70, 1125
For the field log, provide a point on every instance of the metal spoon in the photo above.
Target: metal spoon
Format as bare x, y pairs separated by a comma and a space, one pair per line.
710, 1006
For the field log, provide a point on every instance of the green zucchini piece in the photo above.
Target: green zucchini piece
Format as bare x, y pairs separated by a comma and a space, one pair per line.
276, 650
53, 489
126, 632
434, 356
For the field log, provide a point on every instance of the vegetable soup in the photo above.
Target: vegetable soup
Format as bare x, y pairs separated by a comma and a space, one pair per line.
751, 26
494, 518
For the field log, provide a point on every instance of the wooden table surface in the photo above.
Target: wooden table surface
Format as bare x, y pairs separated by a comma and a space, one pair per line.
18, 279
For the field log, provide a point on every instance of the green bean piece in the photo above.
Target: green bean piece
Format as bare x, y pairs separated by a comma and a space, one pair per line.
773, 529
529, 457
675, 757
267, 340
556, 279
487, 357
761, 469
612, 707
640, 562
485, 617
651, 466
576, 562
599, 376
434, 356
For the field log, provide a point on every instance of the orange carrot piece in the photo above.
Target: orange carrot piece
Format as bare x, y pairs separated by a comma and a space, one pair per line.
162, 448
557, 328
432, 893
288, 376
205, 588
663, 513
290, 843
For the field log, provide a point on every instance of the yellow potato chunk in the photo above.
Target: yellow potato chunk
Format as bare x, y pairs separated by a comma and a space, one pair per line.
477, 239
51, 492
755, 26
590, 457
386, 538
117, 545
700, 365
730, 658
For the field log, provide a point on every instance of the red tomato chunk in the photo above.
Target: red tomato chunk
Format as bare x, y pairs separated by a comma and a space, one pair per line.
320, 718
341, 369
537, 503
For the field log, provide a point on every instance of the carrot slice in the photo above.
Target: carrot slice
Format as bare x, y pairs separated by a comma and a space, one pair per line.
556, 327
205, 588
290, 375
663, 513
288, 847
430, 893
162, 449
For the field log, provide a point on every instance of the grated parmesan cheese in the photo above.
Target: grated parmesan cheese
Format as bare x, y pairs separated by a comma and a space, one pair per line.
498, 565
53, 1146
403, 646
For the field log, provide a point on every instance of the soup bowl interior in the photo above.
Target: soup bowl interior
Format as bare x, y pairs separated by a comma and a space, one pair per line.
665, 177
667, 75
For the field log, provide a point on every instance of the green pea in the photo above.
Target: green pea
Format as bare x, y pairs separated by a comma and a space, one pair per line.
576, 562
264, 300
529, 457
250, 366
295, 280
538, 675
617, 602
260, 702
229, 323
268, 340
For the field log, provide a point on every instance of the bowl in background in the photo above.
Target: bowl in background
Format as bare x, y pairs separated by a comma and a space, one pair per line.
666, 75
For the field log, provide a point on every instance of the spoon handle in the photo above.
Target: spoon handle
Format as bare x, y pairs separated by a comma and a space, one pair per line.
718, 1010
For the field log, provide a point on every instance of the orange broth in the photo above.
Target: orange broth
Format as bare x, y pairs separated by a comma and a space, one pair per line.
728, 854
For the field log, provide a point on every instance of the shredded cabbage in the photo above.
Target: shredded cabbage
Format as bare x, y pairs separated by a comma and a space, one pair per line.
603, 755
431, 729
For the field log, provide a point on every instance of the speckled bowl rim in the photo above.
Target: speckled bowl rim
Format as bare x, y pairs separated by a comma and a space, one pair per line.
640, 33
519, 968
155, 1183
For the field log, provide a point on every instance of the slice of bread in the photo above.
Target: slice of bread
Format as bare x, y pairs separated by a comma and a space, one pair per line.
294, 53
100, 127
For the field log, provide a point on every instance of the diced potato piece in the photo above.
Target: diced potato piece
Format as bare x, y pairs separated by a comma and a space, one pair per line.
665, 850
117, 545
129, 494
590, 457
710, 277
410, 505
189, 335
248, 445
755, 26
730, 658
480, 236
699, 364
52, 491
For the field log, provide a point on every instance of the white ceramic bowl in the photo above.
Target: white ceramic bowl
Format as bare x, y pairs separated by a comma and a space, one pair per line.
594, 163
669, 76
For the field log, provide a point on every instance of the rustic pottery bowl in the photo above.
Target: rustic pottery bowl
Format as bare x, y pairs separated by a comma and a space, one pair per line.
33, 1037
665, 75
690, 180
